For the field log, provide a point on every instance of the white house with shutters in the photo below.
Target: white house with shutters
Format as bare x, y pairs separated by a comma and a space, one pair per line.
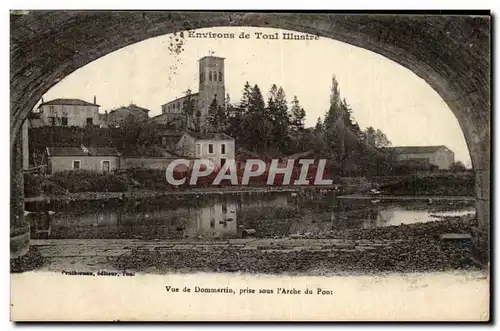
217, 147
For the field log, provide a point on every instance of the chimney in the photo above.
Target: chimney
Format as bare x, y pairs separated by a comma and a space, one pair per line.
95, 102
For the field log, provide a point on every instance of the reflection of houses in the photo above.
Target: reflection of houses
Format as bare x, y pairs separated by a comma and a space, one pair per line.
217, 147
69, 112
126, 115
211, 86
216, 220
100, 159
439, 156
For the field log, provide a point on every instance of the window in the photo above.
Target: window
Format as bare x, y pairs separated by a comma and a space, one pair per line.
64, 120
211, 148
198, 149
52, 120
202, 77
220, 76
105, 166
89, 121
76, 164
179, 105
212, 223
52, 109
224, 207
210, 76
223, 148
222, 162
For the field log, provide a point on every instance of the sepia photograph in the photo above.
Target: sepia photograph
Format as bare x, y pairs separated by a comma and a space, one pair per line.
249, 166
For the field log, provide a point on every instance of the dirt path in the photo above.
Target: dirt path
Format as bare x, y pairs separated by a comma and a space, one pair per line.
310, 256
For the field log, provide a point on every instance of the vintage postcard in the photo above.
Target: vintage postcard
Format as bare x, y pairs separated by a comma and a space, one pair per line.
249, 166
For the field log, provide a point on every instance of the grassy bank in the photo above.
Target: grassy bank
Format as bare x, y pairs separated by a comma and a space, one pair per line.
80, 182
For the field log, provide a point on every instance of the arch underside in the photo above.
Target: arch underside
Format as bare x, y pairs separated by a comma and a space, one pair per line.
451, 53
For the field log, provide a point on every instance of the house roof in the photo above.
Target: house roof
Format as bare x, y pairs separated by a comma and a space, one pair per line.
169, 133
82, 151
212, 56
148, 151
69, 102
176, 114
180, 98
209, 135
413, 149
131, 107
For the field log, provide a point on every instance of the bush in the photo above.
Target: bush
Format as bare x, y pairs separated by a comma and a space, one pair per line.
438, 184
90, 181
35, 185
148, 178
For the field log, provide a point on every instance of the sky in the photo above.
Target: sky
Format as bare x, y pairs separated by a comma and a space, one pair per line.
382, 93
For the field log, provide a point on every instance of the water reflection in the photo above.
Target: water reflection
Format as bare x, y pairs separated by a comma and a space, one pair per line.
399, 215
227, 217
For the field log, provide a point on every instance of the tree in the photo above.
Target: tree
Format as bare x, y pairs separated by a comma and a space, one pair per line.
197, 123
216, 119
298, 115
458, 166
319, 125
255, 128
189, 110
245, 97
376, 138
277, 119
334, 110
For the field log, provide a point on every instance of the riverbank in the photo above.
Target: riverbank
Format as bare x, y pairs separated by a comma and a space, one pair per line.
407, 197
144, 193
148, 183
405, 248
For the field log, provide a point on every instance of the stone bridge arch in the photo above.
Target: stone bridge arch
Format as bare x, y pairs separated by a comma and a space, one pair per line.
451, 53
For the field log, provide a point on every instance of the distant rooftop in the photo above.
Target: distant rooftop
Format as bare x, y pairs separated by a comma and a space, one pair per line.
69, 102
180, 98
413, 149
209, 135
132, 107
82, 151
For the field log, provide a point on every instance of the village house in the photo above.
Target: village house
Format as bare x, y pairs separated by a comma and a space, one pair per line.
439, 156
126, 115
68, 112
101, 159
217, 147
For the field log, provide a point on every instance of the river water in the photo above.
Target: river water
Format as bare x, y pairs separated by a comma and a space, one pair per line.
228, 216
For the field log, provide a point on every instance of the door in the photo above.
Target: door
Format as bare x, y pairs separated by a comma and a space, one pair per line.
105, 166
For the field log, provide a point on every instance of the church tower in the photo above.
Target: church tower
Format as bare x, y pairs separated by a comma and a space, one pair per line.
211, 84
